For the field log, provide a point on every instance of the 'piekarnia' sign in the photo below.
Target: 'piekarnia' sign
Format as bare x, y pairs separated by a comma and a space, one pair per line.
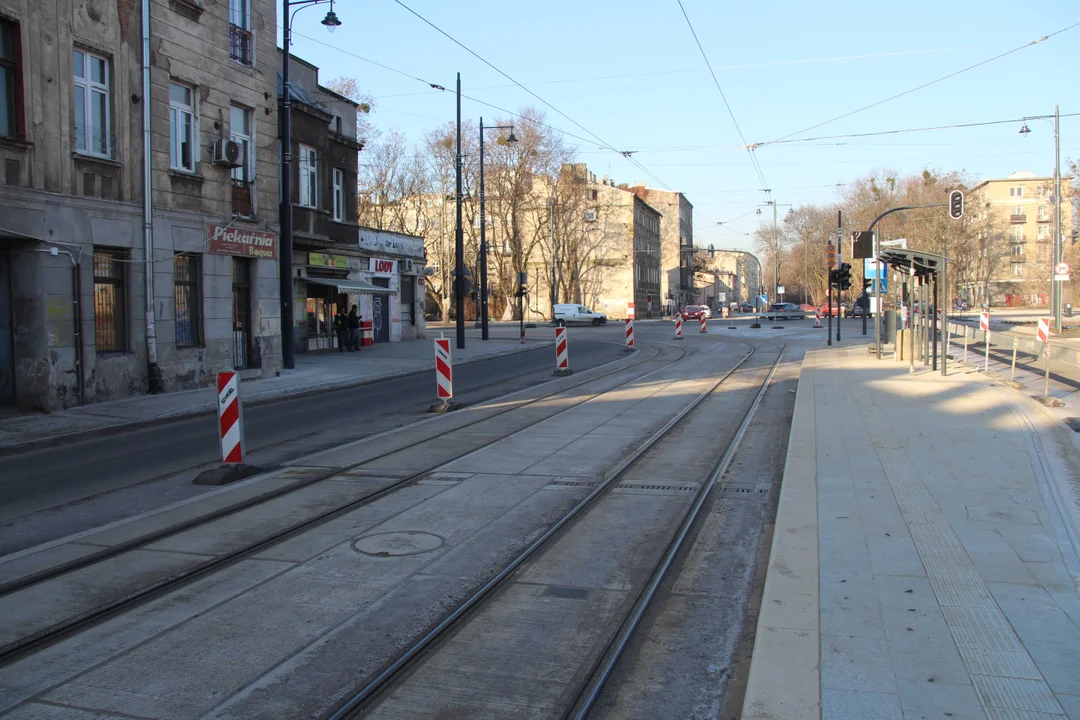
242, 242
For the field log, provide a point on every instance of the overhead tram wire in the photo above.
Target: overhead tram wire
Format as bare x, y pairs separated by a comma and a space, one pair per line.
749, 150
957, 126
599, 139
436, 86
924, 85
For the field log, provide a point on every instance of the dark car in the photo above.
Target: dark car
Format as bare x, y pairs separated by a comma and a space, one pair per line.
785, 311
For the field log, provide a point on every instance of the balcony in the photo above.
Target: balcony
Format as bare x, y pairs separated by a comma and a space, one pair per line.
1018, 218
1018, 258
1046, 218
241, 198
240, 45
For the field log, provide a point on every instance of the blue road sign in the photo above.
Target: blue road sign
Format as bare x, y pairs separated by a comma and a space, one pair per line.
882, 273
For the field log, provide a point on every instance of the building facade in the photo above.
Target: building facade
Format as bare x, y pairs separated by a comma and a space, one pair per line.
1013, 219
115, 281
676, 244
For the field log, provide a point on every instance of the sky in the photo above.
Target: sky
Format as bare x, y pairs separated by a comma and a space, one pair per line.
628, 76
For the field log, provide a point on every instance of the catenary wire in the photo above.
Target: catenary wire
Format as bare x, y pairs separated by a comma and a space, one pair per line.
932, 82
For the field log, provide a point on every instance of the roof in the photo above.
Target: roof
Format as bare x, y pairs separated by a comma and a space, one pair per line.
298, 93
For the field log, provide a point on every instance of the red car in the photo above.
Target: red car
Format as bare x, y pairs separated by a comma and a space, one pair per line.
692, 312
824, 310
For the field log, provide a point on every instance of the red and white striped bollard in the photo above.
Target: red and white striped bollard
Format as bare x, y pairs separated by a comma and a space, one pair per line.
443, 369
678, 326
704, 328
629, 333
230, 418
562, 354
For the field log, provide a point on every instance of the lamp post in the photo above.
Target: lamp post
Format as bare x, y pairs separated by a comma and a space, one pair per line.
285, 269
1057, 251
483, 229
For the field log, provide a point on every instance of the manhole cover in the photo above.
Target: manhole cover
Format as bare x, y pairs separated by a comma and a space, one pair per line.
397, 543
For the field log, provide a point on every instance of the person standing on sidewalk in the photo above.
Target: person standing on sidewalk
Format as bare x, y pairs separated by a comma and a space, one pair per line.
354, 330
341, 328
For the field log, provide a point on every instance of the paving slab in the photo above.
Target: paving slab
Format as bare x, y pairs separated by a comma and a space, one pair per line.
945, 511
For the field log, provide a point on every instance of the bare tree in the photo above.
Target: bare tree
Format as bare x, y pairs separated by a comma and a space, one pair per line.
350, 88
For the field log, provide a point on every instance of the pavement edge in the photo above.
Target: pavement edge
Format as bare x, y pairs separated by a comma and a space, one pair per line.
785, 667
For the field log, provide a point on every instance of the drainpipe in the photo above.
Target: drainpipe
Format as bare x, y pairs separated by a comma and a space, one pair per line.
153, 372
77, 291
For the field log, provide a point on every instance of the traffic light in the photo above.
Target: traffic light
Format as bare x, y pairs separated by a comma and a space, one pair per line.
956, 204
866, 283
523, 285
843, 276
832, 276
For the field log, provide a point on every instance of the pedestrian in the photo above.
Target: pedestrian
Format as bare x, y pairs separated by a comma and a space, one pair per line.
341, 328
354, 330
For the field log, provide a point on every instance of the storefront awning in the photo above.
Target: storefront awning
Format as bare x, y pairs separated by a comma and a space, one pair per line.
356, 287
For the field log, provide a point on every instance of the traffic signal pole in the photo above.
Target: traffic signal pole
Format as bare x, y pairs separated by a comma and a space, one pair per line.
840, 264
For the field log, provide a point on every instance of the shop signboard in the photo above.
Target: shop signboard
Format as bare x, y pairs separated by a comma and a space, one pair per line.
391, 243
382, 267
326, 260
242, 242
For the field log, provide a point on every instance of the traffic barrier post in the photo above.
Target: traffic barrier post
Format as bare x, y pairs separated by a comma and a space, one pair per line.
562, 354
230, 418
704, 328
444, 377
1012, 372
678, 326
629, 333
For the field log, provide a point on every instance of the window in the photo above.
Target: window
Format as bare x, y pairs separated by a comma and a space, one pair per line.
1044, 213
240, 44
92, 128
309, 177
1018, 210
1018, 233
1020, 192
1018, 269
241, 132
181, 127
1044, 233
339, 195
1017, 249
110, 310
186, 277
10, 81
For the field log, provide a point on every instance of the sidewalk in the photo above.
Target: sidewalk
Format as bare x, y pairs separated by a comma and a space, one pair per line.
925, 557
314, 373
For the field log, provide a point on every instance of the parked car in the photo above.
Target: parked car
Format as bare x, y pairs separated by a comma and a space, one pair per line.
707, 311
568, 314
858, 311
785, 311
826, 310
744, 308
692, 312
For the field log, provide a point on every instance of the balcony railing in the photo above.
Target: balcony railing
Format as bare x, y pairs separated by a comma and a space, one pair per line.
1018, 218
1018, 258
240, 45
241, 198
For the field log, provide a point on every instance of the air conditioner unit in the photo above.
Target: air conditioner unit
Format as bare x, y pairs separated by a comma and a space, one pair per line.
227, 153
408, 265
590, 216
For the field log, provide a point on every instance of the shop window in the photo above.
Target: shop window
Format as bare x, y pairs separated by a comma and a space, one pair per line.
110, 300
11, 121
408, 300
187, 276
92, 121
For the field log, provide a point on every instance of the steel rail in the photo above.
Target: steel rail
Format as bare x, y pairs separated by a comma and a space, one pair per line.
359, 701
599, 676
58, 631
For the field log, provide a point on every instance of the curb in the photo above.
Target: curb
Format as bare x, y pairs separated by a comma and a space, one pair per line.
785, 668
265, 398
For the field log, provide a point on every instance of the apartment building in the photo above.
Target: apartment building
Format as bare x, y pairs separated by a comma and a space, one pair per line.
1013, 219
676, 244
124, 272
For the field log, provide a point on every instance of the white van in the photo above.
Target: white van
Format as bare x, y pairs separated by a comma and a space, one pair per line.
566, 314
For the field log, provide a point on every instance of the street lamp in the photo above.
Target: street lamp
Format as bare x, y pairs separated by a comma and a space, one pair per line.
1058, 251
285, 269
483, 229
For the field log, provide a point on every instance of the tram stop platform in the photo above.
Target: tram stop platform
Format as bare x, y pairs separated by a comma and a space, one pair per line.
925, 556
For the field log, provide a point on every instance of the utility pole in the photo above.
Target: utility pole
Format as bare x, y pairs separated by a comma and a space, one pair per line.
459, 238
1056, 286
551, 220
839, 263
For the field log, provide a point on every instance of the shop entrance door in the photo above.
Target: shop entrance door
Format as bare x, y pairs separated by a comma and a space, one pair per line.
241, 293
7, 359
380, 305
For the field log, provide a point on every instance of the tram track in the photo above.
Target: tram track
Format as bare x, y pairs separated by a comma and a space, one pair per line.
145, 592
395, 679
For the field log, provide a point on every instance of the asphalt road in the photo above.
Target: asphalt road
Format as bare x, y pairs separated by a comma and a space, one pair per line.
50, 493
